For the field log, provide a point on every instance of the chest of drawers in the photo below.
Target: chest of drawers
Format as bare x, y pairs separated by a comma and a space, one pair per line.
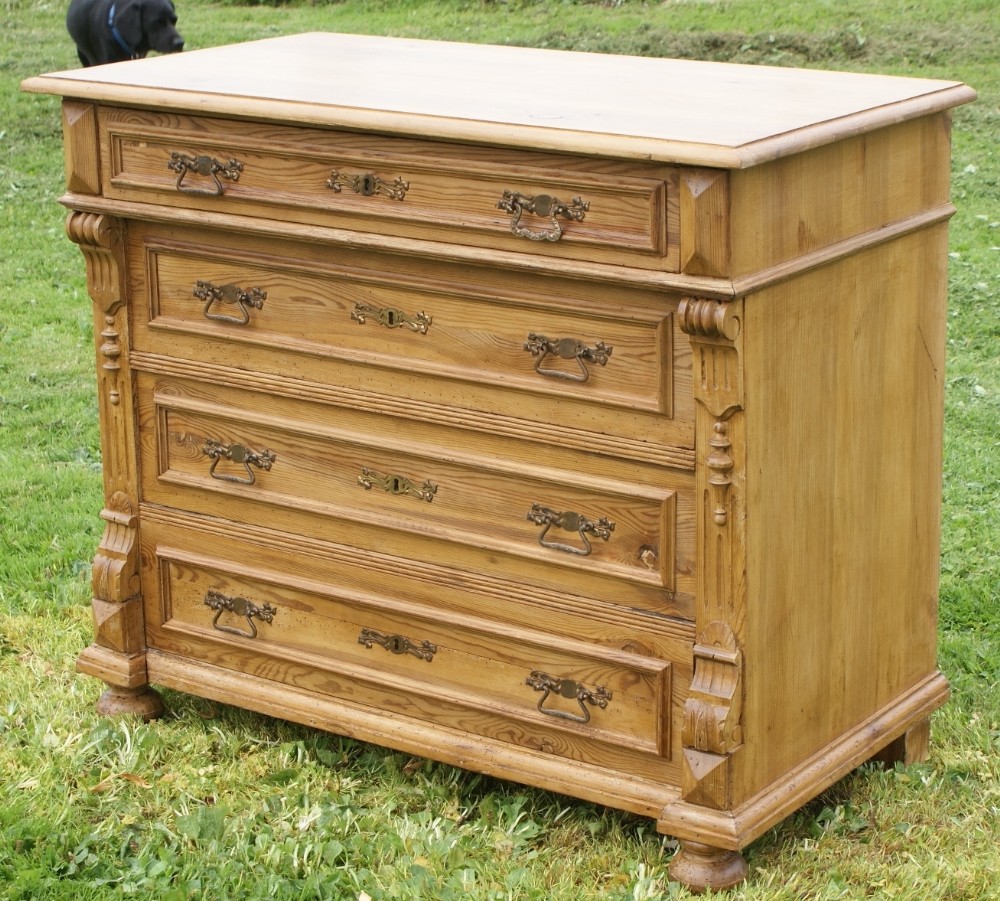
575, 419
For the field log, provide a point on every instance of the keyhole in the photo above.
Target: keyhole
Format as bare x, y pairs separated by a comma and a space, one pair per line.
368, 185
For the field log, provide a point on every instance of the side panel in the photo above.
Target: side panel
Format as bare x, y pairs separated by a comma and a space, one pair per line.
797, 206
844, 385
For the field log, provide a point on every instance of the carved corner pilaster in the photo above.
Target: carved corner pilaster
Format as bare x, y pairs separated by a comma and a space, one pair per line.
101, 240
715, 701
115, 576
117, 605
118, 654
712, 725
98, 238
715, 329
720, 464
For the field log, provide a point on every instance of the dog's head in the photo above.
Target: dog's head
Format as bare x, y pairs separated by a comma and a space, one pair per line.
150, 25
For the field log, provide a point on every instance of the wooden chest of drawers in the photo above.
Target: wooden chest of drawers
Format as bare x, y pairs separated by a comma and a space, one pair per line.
587, 416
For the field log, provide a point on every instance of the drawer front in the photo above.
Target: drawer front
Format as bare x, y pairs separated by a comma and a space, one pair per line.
195, 439
601, 368
410, 323
550, 205
275, 622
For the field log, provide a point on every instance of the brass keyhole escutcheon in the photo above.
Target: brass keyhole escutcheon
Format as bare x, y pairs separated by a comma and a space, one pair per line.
367, 184
391, 317
397, 485
397, 644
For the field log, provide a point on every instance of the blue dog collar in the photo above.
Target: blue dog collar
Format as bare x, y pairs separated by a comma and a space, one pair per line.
117, 35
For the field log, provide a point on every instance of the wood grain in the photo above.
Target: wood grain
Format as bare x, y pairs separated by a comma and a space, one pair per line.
861, 426
480, 500
450, 194
617, 106
764, 255
82, 162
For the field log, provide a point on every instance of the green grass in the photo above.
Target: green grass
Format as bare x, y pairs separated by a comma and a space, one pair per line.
217, 803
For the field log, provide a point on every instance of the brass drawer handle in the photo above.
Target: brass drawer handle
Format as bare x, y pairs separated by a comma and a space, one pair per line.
398, 644
391, 317
367, 185
238, 454
598, 696
183, 163
396, 484
229, 294
224, 603
541, 347
541, 205
571, 522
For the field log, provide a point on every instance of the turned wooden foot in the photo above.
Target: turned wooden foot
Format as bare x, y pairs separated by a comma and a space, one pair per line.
702, 867
142, 701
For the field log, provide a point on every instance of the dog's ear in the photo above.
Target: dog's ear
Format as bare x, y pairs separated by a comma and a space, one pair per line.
128, 21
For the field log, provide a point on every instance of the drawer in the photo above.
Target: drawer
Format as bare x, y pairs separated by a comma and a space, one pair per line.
198, 438
404, 321
525, 202
279, 624
601, 367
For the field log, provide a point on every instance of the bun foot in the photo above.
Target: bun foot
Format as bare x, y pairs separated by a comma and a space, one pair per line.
701, 867
143, 702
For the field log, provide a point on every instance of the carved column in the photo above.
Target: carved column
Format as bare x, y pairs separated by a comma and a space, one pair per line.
712, 724
118, 654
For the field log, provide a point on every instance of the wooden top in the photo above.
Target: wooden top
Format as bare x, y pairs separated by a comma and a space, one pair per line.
701, 113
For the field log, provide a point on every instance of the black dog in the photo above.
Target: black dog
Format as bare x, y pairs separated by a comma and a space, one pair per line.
108, 31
